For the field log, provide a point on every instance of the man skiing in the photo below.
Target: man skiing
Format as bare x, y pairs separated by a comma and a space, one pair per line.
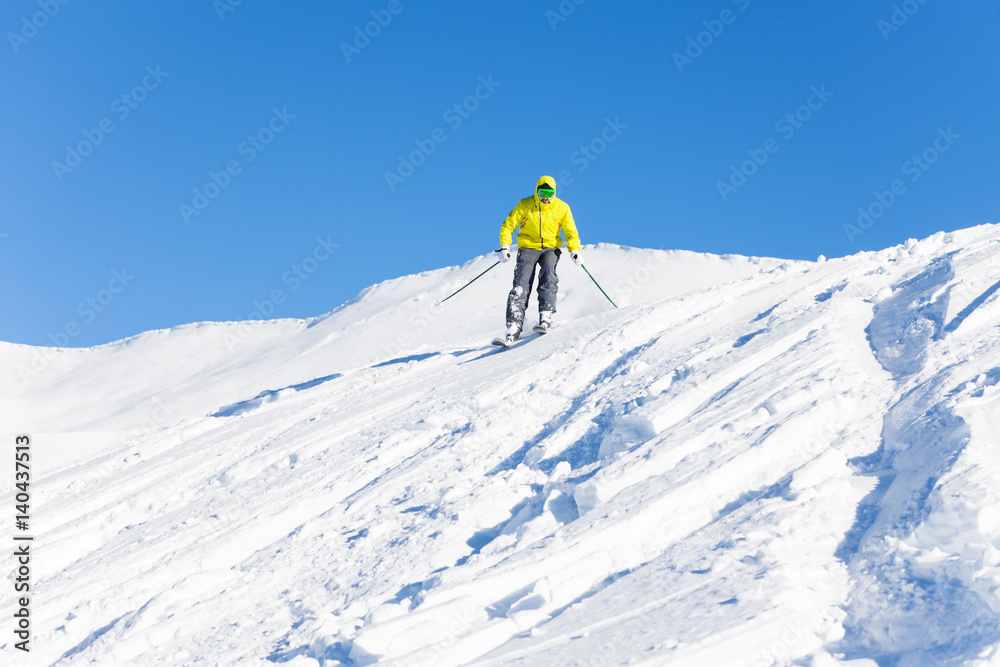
539, 219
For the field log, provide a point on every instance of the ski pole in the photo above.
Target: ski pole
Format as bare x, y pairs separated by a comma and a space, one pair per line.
470, 282
599, 287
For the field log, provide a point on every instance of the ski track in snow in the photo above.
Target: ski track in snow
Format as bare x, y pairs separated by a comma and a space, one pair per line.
752, 462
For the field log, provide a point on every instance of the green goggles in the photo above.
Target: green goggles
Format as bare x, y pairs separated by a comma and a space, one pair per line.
545, 193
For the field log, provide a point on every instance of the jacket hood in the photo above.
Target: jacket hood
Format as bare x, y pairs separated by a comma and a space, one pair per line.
547, 181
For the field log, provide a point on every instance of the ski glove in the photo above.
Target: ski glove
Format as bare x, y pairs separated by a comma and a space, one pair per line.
575, 255
504, 253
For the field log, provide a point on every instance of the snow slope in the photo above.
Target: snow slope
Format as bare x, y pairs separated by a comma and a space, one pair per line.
751, 462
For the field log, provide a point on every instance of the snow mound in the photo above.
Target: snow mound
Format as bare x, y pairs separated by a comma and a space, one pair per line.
751, 462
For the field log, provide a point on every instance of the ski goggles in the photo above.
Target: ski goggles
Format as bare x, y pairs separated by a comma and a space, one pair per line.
545, 193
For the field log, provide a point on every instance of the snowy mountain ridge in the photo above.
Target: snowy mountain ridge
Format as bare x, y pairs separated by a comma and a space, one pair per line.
751, 462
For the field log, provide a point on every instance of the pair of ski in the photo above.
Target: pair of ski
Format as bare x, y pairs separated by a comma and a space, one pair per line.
503, 342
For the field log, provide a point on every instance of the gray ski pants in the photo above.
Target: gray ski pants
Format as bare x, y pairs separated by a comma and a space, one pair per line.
524, 275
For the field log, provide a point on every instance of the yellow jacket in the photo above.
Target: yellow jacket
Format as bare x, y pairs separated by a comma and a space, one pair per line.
540, 223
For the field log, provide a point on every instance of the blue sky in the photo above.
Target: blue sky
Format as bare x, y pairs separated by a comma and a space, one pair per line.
174, 162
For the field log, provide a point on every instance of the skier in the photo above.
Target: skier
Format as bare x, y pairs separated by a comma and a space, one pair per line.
539, 217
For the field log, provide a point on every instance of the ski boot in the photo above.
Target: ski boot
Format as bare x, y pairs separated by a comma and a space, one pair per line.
544, 322
513, 332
